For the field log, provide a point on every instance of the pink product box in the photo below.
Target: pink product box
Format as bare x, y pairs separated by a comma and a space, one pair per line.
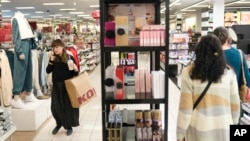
142, 83
148, 81
137, 84
141, 38
109, 38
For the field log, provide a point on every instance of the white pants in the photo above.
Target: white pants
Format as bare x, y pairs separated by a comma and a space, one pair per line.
35, 64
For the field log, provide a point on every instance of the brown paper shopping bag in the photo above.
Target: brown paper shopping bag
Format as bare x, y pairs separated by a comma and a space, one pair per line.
80, 90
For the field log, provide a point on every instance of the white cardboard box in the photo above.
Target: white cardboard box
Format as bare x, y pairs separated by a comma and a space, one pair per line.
32, 116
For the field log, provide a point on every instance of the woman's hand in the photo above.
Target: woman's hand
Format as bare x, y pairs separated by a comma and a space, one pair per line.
52, 56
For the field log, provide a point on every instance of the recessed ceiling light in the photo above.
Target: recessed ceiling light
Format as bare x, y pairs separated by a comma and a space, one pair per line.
60, 3
25, 7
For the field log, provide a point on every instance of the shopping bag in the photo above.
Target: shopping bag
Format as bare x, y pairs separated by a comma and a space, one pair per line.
80, 90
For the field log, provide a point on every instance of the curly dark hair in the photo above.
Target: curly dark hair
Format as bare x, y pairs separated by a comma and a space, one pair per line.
222, 33
209, 63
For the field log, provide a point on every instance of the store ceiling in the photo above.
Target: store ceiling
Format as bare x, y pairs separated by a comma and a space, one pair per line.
83, 6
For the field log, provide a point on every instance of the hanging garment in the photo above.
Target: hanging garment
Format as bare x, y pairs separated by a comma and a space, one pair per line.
6, 83
35, 77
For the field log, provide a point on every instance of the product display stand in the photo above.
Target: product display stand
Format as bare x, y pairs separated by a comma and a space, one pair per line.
32, 116
121, 94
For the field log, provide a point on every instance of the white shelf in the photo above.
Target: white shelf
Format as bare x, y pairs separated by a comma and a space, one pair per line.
8, 134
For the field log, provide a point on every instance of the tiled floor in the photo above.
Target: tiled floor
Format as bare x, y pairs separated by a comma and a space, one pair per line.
90, 128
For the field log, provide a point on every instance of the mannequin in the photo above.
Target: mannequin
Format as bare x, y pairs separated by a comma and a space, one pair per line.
22, 72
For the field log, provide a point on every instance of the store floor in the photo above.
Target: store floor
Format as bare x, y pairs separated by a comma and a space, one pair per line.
90, 128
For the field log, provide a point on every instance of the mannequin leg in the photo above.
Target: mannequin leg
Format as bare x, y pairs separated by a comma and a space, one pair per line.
28, 80
17, 102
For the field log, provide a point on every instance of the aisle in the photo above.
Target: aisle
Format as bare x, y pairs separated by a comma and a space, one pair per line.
90, 128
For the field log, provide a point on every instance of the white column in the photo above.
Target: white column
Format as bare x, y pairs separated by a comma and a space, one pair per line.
198, 20
218, 13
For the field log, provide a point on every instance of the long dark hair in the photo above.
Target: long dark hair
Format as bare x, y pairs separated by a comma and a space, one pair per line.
64, 57
209, 63
222, 33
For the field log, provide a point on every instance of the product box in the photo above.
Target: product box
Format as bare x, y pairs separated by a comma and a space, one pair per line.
119, 91
142, 83
121, 30
109, 38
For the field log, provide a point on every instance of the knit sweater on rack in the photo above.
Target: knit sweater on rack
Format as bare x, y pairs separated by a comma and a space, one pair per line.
218, 109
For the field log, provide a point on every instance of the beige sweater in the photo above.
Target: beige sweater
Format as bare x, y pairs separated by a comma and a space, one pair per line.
211, 119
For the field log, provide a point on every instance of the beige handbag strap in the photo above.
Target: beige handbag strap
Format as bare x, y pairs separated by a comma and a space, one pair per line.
242, 67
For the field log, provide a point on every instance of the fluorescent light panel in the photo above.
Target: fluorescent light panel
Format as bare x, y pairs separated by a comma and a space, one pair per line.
190, 10
68, 9
87, 17
36, 17
25, 7
56, 15
230, 3
170, 5
173, 3
83, 15
5, 1
201, 6
233, 7
60, 3
196, 4
76, 12
94, 6
39, 12
6, 11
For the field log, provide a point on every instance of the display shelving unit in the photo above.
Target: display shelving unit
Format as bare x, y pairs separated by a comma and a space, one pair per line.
106, 60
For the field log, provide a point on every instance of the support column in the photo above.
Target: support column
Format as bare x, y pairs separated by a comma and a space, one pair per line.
218, 13
198, 20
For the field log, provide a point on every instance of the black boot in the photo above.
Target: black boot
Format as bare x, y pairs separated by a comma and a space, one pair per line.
56, 129
69, 131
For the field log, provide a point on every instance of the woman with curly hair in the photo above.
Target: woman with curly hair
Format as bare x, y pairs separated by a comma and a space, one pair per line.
220, 107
